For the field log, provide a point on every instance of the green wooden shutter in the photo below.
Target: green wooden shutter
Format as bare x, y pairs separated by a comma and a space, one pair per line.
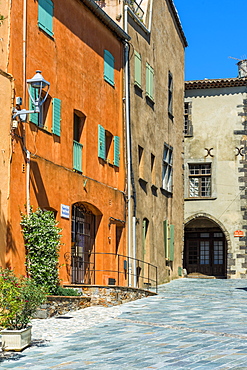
109, 67
45, 16
56, 116
33, 117
101, 142
138, 69
77, 156
149, 81
171, 256
165, 226
116, 151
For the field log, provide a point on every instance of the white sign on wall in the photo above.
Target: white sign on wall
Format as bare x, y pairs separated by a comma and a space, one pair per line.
65, 210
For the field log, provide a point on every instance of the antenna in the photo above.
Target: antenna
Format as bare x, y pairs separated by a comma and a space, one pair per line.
235, 58
241, 64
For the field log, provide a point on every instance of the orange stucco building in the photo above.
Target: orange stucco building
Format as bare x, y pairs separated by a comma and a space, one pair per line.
76, 142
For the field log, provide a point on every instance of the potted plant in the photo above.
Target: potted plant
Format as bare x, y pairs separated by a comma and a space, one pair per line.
19, 300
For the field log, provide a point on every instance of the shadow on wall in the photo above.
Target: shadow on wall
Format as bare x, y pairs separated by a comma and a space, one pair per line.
38, 185
7, 242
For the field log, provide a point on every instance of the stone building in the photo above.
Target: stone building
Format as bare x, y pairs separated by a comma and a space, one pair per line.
155, 62
215, 177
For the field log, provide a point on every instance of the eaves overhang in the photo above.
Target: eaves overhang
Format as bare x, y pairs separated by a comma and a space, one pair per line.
100, 14
178, 22
216, 83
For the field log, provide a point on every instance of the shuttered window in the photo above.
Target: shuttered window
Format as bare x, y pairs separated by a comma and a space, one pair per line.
33, 117
77, 156
168, 240
165, 226
56, 116
149, 81
45, 16
101, 142
109, 67
116, 151
171, 244
138, 69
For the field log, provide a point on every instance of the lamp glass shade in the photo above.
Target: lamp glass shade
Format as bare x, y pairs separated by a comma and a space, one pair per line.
38, 81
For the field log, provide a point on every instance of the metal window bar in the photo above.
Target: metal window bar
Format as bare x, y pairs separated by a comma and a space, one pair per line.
86, 271
135, 5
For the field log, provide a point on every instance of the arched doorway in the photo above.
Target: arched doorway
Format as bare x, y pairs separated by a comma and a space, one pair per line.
82, 243
205, 248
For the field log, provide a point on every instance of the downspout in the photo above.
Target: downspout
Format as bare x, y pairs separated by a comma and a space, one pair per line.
24, 102
127, 120
131, 219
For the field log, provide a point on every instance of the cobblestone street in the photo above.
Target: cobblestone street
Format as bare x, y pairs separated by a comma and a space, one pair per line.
191, 324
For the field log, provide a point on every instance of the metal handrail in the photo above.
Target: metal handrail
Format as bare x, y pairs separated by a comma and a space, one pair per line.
87, 268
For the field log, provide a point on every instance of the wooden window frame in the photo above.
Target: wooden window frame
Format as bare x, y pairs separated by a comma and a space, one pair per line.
200, 176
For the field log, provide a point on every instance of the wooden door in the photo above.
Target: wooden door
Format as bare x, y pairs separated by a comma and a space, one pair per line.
205, 253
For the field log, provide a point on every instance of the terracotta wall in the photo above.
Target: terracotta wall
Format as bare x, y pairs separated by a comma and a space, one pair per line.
73, 62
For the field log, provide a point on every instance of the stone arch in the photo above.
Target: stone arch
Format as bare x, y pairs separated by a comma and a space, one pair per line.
213, 219
206, 245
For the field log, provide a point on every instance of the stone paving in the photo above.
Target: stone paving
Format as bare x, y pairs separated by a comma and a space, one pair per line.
192, 324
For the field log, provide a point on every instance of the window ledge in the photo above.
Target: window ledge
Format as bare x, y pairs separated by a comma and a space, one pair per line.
143, 180
200, 198
138, 86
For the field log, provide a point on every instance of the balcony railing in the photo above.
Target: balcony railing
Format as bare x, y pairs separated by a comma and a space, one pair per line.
135, 6
93, 268
77, 156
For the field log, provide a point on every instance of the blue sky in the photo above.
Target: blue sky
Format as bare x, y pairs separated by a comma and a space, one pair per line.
215, 30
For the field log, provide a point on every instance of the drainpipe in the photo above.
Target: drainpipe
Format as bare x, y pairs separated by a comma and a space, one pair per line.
131, 219
24, 102
150, 16
128, 149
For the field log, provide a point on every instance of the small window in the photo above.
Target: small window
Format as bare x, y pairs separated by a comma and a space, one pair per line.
109, 67
138, 70
170, 94
79, 121
141, 161
149, 82
167, 168
200, 180
153, 168
188, 128
45, 16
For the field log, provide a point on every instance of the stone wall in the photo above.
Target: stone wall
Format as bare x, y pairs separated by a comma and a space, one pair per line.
59, 305
111, 296
91, 295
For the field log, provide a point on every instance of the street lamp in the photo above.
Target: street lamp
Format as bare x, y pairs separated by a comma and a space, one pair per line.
39, 84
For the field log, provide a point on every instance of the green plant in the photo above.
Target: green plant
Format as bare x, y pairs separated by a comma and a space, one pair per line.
66, 291
19, 300
2, 18
42, 241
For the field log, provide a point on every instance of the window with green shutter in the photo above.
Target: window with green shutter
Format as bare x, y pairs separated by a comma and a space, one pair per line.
33, 117
116, 151
166, 245
101, 142
56, 116
109, 67
138, 69
171, 254
149, 82
45, 16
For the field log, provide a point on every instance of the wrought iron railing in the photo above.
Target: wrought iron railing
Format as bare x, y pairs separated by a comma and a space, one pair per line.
111, 269
135, 5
